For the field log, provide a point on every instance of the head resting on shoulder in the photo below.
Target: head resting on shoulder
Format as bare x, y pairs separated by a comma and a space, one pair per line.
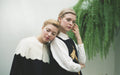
52, 22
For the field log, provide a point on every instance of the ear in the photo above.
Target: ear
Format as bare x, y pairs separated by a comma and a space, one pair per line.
59, 19
42, 27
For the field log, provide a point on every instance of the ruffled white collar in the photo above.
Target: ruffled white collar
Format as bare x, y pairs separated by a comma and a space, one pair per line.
31, 48
63, 36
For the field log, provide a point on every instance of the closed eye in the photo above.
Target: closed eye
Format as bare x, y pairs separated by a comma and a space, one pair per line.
48, 30
54, 33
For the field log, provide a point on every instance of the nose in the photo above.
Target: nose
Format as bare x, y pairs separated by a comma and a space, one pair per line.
71, 23
49, 33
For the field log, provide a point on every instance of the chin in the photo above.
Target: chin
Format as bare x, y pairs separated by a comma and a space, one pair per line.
68, 30
47, 41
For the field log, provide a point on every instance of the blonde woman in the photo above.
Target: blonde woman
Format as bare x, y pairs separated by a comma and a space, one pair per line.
31, 55
67, 57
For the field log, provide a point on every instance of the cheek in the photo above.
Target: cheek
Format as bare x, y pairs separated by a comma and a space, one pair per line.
44, 33
72, 26
63, 23
53, 37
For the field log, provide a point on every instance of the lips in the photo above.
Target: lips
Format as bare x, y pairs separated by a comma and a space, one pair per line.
47, 38
69, 27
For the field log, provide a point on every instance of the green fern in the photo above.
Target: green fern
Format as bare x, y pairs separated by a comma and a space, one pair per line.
98, 22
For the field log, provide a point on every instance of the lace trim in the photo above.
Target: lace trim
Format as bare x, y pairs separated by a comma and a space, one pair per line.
35, 58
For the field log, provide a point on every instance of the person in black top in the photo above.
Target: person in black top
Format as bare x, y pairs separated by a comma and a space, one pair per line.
31, 55
67, 57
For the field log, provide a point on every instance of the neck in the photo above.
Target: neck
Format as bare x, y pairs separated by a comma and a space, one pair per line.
64, 31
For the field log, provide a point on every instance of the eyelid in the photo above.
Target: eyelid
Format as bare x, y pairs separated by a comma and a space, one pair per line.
54, 33
47, 29
74, 22
68, 19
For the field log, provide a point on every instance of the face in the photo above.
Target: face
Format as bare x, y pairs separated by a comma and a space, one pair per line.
67, 22
49, 32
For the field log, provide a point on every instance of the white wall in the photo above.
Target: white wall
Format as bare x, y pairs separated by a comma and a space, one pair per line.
117, 54
98, 66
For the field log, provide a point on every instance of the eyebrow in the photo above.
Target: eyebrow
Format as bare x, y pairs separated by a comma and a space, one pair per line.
51, 30
54, 32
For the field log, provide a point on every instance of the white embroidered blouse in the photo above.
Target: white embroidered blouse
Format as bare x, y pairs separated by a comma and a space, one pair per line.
61, 55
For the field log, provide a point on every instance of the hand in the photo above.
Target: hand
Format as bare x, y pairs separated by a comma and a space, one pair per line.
82, 66
75, 30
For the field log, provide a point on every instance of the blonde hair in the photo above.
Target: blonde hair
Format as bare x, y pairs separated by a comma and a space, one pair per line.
52, 22
66, 11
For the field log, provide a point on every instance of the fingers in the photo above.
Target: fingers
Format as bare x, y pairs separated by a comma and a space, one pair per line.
75, 28
75, 25
82, 66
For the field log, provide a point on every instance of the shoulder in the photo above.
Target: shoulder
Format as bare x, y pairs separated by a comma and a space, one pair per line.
56, 40
28, 40
57, 43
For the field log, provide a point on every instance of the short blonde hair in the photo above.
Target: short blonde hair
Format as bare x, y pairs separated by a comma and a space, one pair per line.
52, 22
66, 11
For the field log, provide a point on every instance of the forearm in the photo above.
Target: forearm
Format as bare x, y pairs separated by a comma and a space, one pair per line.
79, 40
81, 54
